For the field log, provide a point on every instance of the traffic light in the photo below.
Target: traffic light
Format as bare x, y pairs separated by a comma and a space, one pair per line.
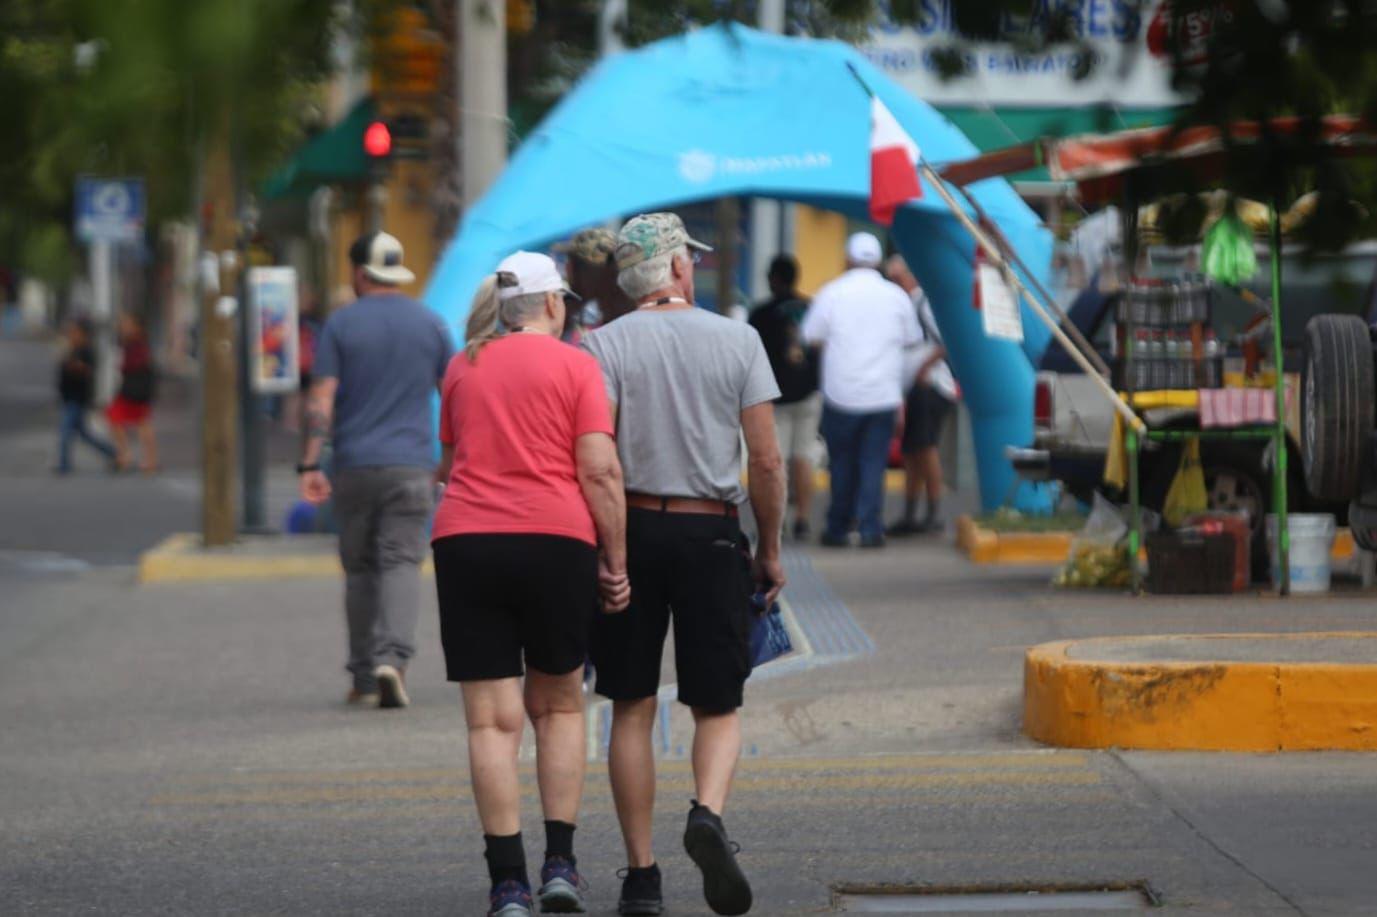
377, 141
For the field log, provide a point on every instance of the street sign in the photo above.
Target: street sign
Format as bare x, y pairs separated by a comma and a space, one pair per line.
110, 209
274, 348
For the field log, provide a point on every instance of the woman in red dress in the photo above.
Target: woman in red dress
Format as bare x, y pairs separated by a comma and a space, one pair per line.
133, 404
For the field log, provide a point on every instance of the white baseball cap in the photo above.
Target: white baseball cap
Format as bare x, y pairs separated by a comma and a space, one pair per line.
380, 256
529, 272
864, 249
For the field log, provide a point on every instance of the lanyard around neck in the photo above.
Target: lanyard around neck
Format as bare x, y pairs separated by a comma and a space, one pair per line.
664, 301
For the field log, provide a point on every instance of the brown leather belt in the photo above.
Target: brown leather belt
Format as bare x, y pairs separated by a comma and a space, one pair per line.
682, 505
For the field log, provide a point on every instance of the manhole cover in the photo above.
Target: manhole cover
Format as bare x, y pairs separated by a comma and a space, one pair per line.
858, 899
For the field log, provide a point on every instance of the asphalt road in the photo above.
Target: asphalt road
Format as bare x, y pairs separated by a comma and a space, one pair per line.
184, 749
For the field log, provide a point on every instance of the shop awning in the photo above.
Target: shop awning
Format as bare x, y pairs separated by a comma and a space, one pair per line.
1098, 164
994, 128
334, 156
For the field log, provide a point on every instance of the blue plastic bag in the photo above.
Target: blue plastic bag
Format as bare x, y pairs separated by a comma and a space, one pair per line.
769, 636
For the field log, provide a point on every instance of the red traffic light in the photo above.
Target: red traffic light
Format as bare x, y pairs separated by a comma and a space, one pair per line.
377, 140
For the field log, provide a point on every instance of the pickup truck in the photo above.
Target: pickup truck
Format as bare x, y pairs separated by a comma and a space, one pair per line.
1072, 418
1338, 450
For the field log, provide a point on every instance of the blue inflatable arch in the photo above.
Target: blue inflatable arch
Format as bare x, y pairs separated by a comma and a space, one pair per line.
729, 111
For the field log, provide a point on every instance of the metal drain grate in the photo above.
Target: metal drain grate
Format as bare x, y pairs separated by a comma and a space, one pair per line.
858, 899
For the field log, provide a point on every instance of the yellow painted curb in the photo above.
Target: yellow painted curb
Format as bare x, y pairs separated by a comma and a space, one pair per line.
1084, 702
985, 546
894, 480
181, 559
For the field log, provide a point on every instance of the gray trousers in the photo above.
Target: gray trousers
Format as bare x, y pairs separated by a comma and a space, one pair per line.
382, 514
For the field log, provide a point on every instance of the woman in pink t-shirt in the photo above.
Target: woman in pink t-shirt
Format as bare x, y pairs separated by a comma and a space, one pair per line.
531, 528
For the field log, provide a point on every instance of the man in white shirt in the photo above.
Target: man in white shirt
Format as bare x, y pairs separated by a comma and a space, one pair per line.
863, 323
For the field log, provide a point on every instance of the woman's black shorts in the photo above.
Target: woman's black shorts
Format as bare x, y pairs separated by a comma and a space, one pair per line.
505, 596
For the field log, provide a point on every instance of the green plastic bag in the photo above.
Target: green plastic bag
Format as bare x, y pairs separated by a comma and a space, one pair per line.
1227, 253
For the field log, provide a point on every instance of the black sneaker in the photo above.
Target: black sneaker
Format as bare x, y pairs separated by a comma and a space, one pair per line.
724, 884
829, 540
802, 530
906, 526
872, 541
641, 894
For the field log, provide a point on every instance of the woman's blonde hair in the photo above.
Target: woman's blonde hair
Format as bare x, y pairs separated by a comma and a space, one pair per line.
482, 326
491, 316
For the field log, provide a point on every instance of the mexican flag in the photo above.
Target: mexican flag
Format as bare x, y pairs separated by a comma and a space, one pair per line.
893, 165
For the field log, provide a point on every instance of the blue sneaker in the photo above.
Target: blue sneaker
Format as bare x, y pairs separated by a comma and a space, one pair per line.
560, 887
510, 899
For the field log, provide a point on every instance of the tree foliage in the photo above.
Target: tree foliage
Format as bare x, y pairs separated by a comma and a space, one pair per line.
135, 88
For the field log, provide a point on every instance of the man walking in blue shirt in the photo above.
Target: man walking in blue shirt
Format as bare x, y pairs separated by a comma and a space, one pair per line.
377, 363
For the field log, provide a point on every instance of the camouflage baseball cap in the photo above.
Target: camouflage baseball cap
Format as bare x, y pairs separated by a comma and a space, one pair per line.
590, 245
652, 234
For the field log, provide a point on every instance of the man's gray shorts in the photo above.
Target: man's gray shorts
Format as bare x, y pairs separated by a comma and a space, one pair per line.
384, 515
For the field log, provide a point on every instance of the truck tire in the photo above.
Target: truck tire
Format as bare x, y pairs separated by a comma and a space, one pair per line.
1336, 405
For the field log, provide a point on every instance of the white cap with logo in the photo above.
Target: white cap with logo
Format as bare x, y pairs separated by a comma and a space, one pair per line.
529, 272
380, 256
864, 249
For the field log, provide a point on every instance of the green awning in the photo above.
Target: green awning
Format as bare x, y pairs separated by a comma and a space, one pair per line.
995, 128
334, 156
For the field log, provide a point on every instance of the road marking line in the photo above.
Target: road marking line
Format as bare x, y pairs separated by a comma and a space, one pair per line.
1031, 758
793, 784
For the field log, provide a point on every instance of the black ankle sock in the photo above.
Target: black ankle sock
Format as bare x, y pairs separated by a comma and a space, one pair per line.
643, 871
506, 858
559, 839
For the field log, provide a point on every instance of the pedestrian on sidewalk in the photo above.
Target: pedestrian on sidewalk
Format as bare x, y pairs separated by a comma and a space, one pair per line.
592, 273
684, 384
532, 517
798, 410
378, 362
132, 408
863, 323
76, 383
926, 407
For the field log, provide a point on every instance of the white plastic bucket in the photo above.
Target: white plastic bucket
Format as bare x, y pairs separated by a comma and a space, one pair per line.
1312, 540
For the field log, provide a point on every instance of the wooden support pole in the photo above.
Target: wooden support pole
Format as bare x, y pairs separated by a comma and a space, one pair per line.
219, 394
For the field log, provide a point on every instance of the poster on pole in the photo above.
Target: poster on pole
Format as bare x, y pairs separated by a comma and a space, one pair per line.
274, 348
998, 306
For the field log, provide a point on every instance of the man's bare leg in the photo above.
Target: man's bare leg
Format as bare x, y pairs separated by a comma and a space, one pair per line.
716, 749
631, 767
801, 477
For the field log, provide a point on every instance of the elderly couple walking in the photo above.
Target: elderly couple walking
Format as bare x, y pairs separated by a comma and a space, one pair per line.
591, 499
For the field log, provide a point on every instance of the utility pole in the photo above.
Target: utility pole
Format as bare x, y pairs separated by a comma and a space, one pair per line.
767, 216
482, 26
219, 395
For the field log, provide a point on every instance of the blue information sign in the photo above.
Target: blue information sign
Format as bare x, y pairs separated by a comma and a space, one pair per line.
110, 209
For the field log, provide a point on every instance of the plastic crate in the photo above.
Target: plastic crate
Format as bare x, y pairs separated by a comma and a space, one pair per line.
1187, 562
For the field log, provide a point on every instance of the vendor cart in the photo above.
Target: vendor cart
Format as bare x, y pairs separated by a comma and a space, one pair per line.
1129, 168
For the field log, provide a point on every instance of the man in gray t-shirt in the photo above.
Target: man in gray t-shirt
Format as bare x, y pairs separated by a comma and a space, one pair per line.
685, 385
379, 362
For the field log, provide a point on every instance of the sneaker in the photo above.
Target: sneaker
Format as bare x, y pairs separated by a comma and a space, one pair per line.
724, 884
641, 894
872, 541
802, 530
906, 526
560, 887
391, 687
510, 899
828, 540
932, 525
359, 698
